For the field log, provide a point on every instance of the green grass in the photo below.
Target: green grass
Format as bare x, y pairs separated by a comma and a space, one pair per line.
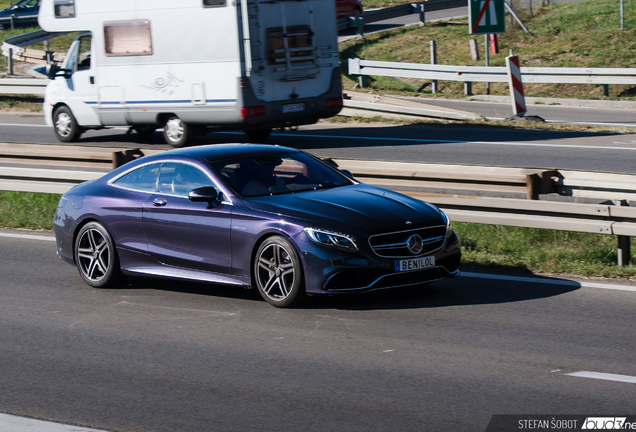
542, 251
27, 210
582, 34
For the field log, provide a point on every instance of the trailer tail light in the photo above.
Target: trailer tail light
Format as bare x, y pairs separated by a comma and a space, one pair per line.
333, 103
253, 111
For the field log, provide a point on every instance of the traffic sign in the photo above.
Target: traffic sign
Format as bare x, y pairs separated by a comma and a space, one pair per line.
486, 16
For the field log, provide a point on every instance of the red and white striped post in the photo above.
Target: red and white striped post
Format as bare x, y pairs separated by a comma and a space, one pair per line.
516, 86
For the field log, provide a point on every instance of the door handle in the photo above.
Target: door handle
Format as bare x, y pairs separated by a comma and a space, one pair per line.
159, 202
92, 80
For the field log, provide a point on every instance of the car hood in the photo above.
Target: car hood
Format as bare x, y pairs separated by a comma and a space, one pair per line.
356, 205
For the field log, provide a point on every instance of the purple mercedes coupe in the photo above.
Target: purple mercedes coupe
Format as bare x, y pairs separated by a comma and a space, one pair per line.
263, 216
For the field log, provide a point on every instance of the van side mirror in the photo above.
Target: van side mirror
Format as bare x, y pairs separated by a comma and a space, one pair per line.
52, 70
203, 194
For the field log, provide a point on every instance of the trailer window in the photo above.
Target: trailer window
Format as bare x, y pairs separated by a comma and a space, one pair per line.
64, 8
213, 3
298, 38
127, 38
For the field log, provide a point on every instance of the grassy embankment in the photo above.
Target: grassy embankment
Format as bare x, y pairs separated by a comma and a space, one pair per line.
579, 34
582, 34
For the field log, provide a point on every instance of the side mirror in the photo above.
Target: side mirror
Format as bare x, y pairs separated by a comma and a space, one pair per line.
203, 194
347, 173
51, 70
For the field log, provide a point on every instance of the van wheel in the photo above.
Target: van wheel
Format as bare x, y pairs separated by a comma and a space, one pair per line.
176, 132
65, 126
258, 134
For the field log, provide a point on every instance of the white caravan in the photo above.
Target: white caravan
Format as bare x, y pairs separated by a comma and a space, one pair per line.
188, 65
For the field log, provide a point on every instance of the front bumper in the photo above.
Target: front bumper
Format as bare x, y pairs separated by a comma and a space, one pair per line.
329, 271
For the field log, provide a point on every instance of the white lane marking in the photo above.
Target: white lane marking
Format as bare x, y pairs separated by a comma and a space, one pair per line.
23, 125
27, 236
441, 141
604, 376
11, 423
549, 281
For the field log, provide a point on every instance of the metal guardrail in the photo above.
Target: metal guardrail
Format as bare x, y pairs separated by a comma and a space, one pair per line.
406, 177
537, 75
20, 20
30, 86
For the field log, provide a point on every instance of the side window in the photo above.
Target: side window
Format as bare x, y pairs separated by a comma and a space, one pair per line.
213, 3
142, 179
64, 8
84, 53
127, 38
180, 179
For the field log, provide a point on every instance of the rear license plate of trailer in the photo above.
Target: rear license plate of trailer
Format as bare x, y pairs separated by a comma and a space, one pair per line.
292, 108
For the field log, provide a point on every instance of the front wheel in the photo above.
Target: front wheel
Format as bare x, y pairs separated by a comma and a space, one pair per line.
96, 257
65, 126
278, 273
176, 132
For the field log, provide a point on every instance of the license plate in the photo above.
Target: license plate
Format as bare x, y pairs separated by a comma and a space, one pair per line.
291, 108
415, 264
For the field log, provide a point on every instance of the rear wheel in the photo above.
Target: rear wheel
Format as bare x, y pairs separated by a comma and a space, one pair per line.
96, 257
176, 132
278, 273
258, 134
65, 126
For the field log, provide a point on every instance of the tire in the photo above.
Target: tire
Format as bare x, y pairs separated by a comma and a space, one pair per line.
65, 126
278, 273
176, 132
258, 134
96, 257
145, 129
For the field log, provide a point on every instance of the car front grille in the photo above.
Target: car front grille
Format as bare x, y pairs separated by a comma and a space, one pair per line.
395, 244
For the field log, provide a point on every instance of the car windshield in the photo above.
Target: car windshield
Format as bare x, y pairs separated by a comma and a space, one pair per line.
279, 174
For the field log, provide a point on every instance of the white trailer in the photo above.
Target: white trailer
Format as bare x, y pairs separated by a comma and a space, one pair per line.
193, 64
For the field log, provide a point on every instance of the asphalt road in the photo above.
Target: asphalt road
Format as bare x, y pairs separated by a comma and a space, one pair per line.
172, 356
444, 143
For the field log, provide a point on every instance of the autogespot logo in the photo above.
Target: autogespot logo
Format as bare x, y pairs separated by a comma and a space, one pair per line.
606, 423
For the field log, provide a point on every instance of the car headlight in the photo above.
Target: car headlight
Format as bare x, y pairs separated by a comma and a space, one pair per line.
332, 239
449, 224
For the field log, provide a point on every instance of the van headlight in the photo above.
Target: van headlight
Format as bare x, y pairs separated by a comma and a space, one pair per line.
449, 224
332, 239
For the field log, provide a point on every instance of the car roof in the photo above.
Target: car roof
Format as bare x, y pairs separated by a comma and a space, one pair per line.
220, 152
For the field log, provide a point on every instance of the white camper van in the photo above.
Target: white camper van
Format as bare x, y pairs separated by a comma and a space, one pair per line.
188, 65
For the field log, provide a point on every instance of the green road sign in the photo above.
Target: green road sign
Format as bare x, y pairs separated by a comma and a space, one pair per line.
486, 16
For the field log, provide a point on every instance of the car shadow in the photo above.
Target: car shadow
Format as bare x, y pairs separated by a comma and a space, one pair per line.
461, 291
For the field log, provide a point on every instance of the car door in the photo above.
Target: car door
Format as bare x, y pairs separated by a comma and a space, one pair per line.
183, 233
79, 89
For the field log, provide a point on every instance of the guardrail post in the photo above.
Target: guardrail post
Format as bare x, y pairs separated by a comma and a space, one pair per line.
12, 25
468, 88
433, 61
122, 157
420, 8
605, 89
533, 182
10, 61
359, 21
624, 248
